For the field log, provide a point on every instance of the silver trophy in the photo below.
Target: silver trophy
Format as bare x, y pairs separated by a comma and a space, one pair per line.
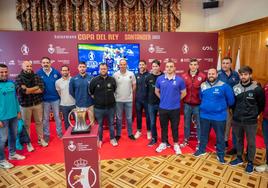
81, 125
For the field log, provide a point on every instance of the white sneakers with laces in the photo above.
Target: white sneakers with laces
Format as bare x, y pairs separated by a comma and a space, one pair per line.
16, 157
5, 164
137, 134
177, 149
161, 147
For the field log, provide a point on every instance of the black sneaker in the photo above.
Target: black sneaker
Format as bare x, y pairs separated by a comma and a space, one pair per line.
117, 138
168, 144
131, 137
226, 144
231, 152
152, 142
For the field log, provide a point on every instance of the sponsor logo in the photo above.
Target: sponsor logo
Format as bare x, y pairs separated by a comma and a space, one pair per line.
185, 49
207, 48
24, 49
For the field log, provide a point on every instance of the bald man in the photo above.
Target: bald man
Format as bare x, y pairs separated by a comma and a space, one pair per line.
30, 88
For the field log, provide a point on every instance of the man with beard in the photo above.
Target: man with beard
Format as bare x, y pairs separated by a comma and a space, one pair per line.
216, 96
102, 89
249, 104
67, 102
79, 90
30, 89
9, 115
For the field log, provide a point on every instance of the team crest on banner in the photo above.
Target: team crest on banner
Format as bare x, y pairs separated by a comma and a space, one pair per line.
185, 49
50, 49
24, 49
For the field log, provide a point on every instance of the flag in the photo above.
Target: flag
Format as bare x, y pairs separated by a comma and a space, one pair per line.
237, 64
219, 61
228, 52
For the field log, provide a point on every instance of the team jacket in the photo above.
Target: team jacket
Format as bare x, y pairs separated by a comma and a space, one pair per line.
193, 87
265, 113
249, 103
141, 93
215, 99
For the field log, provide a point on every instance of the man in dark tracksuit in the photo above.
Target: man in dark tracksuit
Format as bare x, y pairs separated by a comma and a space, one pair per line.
249, 104
102, 89
141, 100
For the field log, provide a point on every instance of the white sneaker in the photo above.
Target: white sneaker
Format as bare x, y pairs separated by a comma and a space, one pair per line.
137, 135
5, 164
177, 149
161, 147
16, 157
114, 142
149, 135
184, 144
30, 148
42, 143
262, 168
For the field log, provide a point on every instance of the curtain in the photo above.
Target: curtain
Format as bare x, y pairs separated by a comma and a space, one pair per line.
99, 15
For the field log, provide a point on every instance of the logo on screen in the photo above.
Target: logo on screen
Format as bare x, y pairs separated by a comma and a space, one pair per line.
24, 49
50, 49
185, 49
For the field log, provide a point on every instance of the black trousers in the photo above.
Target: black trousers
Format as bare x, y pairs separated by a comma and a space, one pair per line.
174, 117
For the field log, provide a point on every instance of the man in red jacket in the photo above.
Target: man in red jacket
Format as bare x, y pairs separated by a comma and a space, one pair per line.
264, 167
193, 79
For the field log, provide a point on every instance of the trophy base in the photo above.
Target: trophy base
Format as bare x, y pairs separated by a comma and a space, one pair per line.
81, 131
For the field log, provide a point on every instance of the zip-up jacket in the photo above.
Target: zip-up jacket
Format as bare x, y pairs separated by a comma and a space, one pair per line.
249, 103
141, 93
265, 113
193, 84
231, 80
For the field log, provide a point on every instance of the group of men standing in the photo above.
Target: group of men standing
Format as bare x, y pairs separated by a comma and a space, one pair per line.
217, 101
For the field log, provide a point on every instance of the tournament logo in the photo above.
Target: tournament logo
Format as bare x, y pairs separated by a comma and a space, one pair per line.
50, 49
24, 49
185, 49
82, 175
151, 49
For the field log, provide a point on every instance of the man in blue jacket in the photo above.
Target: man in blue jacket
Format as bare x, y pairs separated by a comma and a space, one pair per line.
79, 90
51, 97
215, 96
9, 114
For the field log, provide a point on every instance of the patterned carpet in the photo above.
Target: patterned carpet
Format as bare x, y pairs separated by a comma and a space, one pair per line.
148, 172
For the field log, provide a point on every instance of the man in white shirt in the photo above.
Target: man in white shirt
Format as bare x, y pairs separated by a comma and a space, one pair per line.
126, 84
67, 102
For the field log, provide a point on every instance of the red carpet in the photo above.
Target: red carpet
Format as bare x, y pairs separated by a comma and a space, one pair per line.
126, 149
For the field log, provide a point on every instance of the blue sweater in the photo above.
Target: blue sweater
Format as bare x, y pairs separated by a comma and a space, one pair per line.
9, 104
231, 80
79, 89
215, 100
50, 93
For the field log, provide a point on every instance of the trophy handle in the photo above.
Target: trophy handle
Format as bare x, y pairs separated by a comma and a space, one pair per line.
69, 118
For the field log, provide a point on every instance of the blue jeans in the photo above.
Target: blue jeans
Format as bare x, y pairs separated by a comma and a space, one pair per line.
153, 109
205, 127
190, 111
55, 109
65, 110
139, 108
265, 135
120, 106
100, 114
8, 131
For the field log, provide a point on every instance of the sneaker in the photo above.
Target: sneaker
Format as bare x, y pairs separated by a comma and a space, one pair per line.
137, 135
30, 148
231, 151
99, 144
198, 153
161, 147
226, 144
5, 164
236, 162
131, 137
262, 168
185, 143
117, 138
249, 167
42, 143
152, 142
113, 142
149, 135
221, 160
177, 149
46, 138
168, 144
16, 157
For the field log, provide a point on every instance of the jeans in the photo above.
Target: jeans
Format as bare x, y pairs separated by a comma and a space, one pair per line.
139, 108
250, 130
55, 108
100, 114
9, 130
218, 126
190, 111
120, 106
153, 109
174, 117
228, 127
265, 135
65, 110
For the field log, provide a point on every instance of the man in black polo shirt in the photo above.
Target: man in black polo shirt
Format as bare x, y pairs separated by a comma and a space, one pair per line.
102, 89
